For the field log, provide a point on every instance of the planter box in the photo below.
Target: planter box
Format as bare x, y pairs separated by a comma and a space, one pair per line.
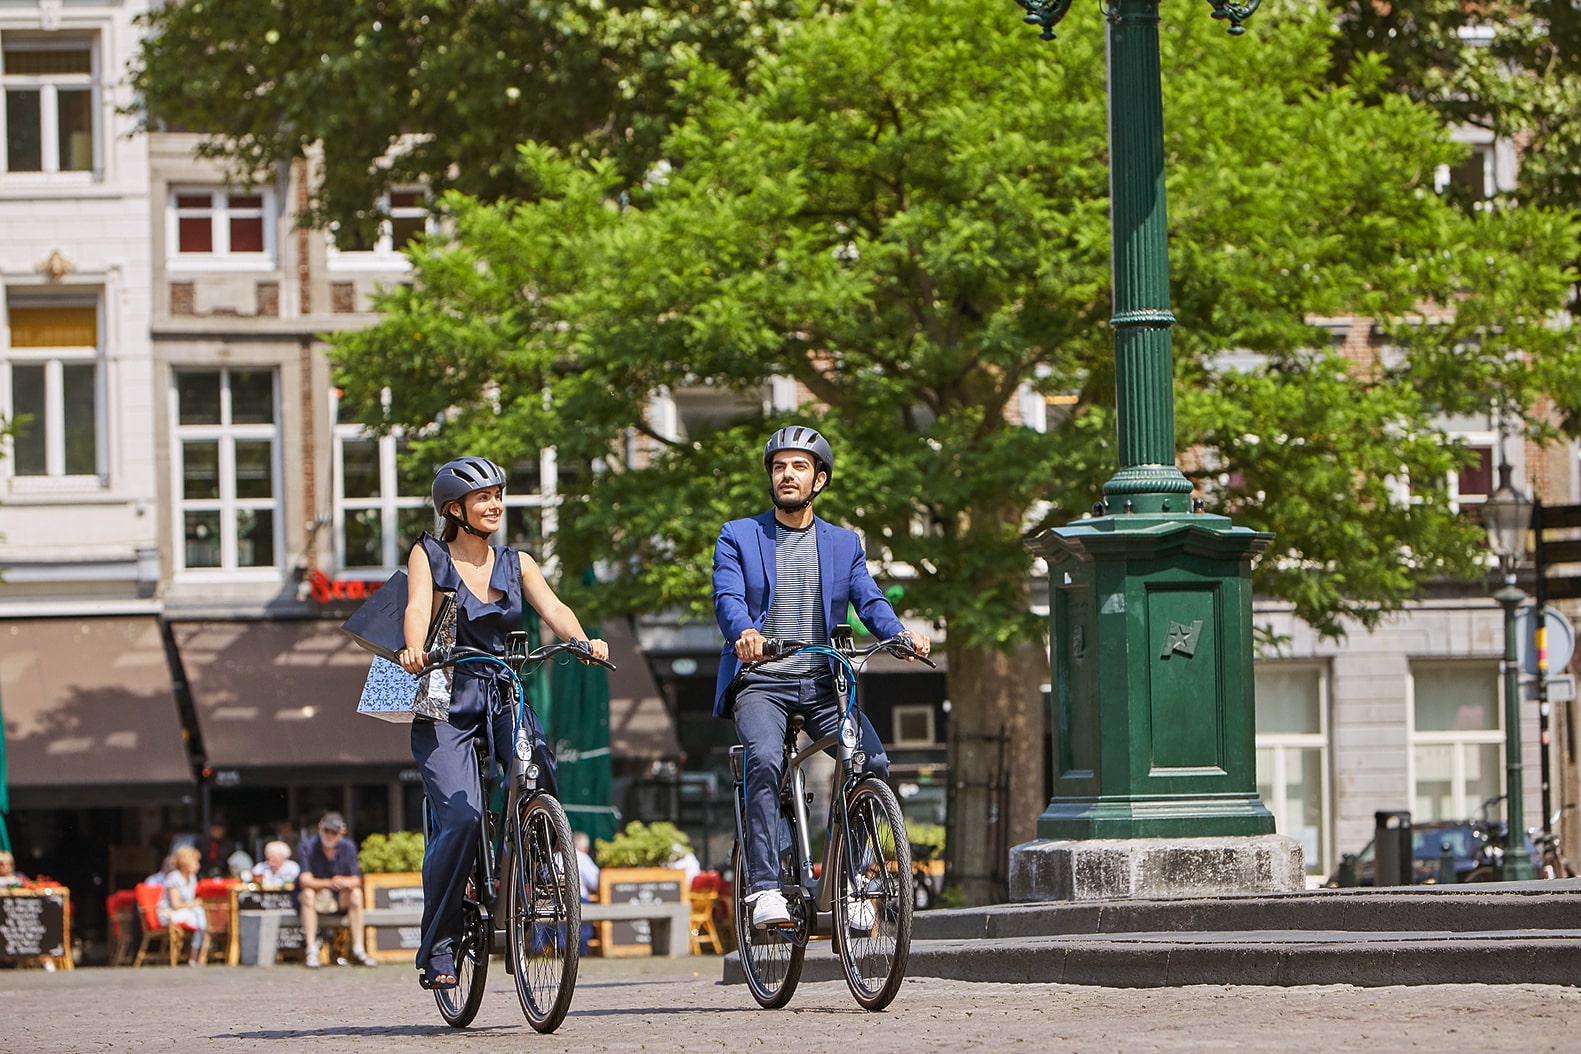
400, 890
635, 885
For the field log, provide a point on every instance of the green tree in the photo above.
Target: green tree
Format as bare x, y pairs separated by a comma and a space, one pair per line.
433, 92
1511, 67
906, 212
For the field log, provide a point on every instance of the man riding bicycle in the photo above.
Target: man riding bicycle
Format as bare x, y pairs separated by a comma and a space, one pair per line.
787, 573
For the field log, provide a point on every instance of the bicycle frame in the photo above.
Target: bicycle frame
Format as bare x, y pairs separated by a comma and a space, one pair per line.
521, 779
850, 762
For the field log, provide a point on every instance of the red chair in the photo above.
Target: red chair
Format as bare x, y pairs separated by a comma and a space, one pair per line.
704, 896
215, 896
175, 935
121, 907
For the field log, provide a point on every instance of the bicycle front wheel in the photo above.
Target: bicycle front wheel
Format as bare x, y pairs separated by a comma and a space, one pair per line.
771, 957
544, 929
872, 912
459, 1005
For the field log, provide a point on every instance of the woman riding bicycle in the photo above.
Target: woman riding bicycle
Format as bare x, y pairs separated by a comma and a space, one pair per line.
491, 584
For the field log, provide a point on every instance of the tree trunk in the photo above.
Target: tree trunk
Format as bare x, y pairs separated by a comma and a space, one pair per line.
997, 763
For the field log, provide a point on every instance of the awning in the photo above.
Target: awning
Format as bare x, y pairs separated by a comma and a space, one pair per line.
90, 713
639, 723
276, 698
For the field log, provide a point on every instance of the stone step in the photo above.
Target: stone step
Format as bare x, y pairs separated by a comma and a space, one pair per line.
1279, 958
1483, 907
1504, 933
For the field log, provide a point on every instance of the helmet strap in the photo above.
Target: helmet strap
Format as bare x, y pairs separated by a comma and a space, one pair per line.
461, 521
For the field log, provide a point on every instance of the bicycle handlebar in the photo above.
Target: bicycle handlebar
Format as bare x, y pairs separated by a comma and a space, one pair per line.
439, 658
898, 646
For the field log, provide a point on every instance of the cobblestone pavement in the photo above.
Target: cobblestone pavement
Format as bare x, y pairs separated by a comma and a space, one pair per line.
677, 1005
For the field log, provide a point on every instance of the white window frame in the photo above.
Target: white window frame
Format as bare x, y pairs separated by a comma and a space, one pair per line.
220, 213
1459, 740
384, 256
48, 86
53, 359
1282, 745
226, 435
389, 502
897, 719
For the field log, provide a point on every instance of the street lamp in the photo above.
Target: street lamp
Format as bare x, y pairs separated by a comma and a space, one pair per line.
1507, 514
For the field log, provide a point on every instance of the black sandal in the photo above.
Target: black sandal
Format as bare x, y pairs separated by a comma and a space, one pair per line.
435, 976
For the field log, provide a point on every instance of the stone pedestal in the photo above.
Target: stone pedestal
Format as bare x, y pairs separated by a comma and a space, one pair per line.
1154, 868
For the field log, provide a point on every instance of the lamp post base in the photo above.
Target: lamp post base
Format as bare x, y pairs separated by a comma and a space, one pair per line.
1154, 868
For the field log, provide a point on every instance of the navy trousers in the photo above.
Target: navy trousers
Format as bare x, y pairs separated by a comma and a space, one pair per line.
448, 763
762, 710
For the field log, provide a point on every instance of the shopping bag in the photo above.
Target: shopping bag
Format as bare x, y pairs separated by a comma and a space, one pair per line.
379, 625
392, 694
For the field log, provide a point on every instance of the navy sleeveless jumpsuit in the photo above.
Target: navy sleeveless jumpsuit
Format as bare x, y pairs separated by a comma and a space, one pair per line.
482, 703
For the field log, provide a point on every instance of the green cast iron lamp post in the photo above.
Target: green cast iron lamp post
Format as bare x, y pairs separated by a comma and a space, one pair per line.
1507, 514
1150, 599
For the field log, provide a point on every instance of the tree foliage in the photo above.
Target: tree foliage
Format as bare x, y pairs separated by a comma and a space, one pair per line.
1511, 67
905, 210
431, 92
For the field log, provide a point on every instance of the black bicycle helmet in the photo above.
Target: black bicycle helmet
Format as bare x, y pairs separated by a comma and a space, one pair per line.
800, 437
456, 479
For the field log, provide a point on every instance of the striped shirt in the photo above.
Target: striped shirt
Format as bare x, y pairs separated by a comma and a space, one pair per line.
797, 608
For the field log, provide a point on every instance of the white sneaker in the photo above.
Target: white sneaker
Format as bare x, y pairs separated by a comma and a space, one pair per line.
769, 908
859, 915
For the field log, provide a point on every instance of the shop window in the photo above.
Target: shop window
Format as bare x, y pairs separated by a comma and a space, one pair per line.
1457, 739
1292, 755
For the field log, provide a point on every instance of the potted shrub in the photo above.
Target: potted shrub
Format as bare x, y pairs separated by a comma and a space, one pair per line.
638, 865
392, 877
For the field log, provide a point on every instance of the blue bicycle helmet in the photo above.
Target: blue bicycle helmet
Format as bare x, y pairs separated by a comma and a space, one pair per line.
800, 437
456, 479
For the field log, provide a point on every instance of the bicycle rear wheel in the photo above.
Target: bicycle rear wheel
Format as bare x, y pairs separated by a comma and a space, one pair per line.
771, 957
544, 929
872, 914
459, 1005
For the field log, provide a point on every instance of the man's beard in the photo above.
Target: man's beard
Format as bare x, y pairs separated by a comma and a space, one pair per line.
788, 503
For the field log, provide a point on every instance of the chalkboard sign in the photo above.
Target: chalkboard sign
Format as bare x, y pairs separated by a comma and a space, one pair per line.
265, 899
645, 885
33, 923
403, 892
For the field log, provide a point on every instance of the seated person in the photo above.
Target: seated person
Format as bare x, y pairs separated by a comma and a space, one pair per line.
586, 869
330, 882
158, 877
278, 870
180, 904
8, 871
217, 849
587, 872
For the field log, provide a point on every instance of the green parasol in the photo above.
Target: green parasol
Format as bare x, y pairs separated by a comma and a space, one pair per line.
573, 703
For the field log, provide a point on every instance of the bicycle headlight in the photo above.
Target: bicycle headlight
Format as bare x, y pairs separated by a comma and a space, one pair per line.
523, 746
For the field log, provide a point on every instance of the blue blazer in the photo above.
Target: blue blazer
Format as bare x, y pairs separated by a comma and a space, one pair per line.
744, 588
